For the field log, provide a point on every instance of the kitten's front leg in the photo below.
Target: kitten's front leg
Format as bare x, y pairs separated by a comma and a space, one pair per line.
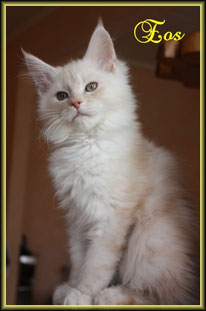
100, 263
77, 254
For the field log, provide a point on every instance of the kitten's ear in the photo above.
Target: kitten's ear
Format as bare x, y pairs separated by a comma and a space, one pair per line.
101, 49
41, 73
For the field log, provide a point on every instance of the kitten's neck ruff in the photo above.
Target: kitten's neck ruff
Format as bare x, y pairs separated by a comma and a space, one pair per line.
131, 132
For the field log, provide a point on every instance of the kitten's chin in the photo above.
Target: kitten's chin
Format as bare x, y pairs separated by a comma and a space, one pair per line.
84, 122
80, 115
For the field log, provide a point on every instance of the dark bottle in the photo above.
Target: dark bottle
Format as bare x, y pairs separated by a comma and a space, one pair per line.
27, 265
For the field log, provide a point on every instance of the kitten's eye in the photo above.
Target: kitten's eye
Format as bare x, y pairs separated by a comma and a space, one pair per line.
91, 87
62, 95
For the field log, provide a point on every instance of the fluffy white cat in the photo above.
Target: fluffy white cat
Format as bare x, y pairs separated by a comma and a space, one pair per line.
133, 239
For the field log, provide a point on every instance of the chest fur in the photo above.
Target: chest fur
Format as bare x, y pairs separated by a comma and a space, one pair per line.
93, 176
81, 173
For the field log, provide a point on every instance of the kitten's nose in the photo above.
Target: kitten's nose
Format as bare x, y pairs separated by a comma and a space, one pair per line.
76, 104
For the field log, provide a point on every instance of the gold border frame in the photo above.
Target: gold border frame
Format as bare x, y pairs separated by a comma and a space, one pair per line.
4, 4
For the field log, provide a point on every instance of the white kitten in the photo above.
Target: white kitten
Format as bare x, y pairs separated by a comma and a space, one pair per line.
132, 236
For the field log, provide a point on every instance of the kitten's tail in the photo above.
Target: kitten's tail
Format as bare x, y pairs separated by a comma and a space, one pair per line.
119, 295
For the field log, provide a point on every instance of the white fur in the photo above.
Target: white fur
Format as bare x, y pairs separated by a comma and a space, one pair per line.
120, 193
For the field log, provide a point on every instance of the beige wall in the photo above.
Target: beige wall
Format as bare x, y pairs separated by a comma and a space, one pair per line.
169, 113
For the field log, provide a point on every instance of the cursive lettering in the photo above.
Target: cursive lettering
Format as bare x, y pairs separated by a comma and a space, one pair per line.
149, 28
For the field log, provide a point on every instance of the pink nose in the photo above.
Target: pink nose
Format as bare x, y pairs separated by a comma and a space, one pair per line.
76, 104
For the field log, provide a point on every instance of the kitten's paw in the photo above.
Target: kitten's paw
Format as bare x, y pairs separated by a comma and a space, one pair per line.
106, 296
112, 296
60, 294
66, 295
75, 297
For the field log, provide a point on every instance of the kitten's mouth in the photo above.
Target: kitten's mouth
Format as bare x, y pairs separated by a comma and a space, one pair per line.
79, 114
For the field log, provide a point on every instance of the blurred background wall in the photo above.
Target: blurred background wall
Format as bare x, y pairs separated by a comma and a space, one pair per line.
168, 110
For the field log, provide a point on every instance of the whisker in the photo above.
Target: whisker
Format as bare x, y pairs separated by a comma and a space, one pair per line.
45, 131
48, 115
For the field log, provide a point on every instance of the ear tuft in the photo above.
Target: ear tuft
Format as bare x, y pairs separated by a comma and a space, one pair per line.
100, 22
41, 73
101, 49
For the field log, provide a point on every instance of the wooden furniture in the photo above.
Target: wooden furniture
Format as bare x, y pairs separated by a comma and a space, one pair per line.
180, 60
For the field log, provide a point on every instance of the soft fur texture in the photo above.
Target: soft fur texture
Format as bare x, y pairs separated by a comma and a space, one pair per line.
132, 235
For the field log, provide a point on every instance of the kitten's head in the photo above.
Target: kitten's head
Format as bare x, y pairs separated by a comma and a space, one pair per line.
83, 95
